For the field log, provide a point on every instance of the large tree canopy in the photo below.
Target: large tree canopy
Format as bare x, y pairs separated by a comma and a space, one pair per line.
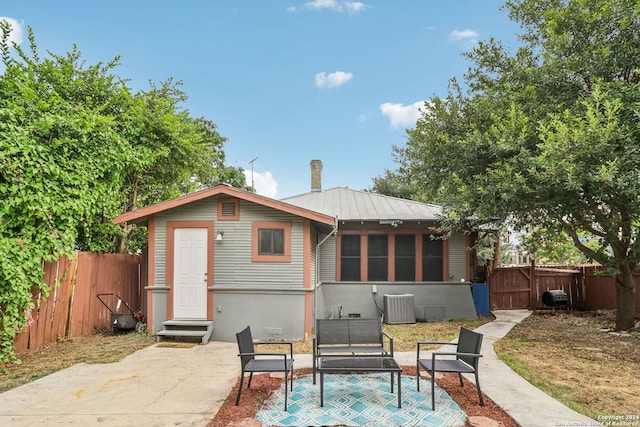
546, 138
77, 148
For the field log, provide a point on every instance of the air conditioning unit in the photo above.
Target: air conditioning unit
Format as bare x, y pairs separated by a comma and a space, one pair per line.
399, 309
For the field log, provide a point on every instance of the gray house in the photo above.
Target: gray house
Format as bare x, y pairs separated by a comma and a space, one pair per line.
223, 258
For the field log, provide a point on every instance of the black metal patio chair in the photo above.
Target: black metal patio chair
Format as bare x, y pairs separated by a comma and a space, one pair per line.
467, 356
252, 361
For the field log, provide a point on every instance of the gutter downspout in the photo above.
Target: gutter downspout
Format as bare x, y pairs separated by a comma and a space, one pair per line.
317, 272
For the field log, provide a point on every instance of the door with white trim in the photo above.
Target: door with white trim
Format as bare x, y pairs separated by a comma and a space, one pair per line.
190, 273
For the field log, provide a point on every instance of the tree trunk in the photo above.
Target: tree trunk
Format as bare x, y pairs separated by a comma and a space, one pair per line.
625, 298
122, 244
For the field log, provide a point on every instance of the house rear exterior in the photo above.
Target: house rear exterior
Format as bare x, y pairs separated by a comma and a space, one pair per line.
229, 258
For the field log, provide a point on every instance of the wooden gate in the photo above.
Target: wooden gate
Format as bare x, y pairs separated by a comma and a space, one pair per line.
510, 288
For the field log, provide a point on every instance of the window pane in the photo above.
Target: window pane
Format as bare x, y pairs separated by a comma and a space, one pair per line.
431, 246
377, 245
378, 270
432, 270
405, 266
378, 260
264, 241
406, 269
350, 257
350, 245
271, 241
350, 269
432, 259
278, 241
405, 245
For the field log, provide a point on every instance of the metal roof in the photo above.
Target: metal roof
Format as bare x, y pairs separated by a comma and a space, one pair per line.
353, 205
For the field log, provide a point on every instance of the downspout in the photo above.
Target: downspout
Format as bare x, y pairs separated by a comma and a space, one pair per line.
317, 272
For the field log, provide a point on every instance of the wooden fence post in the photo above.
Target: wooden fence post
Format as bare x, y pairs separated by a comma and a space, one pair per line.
533, 298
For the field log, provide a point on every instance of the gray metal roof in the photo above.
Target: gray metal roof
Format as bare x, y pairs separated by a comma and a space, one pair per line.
353, 205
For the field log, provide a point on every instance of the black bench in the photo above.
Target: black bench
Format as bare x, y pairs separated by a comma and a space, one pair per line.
351, 336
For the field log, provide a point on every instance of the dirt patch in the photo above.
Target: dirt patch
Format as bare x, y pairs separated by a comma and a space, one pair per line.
577, 358
103, 346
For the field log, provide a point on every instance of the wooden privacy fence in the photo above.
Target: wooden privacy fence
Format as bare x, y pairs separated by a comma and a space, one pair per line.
521, 287
72, 308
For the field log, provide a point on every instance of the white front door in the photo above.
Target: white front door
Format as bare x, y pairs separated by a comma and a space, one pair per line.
190, 273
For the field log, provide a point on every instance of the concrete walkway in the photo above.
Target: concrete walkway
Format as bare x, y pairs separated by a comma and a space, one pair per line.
160, 386
525, 403
155, 386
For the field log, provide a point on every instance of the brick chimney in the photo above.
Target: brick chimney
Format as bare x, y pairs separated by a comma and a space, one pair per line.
316, 175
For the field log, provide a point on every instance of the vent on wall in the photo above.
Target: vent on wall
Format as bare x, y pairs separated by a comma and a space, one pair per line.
399, 309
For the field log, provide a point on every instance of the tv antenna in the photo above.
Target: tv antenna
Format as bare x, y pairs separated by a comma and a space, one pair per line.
251, 163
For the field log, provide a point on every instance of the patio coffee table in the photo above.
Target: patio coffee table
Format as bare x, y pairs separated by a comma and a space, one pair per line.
359, 364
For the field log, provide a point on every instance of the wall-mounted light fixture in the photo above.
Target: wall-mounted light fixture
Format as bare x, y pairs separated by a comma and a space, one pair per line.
220, 235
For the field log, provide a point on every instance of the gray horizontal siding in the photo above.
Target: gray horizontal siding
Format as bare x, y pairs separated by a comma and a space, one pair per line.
232, 257
327, 259
457, 258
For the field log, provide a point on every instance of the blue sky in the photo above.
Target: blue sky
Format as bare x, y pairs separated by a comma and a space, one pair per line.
285, 81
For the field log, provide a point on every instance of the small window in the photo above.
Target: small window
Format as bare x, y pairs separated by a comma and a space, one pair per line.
228, 209
271, 242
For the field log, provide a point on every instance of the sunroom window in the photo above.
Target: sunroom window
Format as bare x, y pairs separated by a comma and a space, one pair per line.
405, 258
350, 257
432, 258
378, 257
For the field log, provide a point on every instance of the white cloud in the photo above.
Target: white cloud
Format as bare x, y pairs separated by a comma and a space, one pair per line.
464, 34
323, 4
349, 7
264, 183
16, 30
337, 79
402, 115
355, 7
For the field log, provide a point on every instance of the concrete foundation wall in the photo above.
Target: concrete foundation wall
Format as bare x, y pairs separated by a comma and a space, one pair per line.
272, 315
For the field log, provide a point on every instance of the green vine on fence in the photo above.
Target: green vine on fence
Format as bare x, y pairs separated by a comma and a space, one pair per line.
77, 148
61, 161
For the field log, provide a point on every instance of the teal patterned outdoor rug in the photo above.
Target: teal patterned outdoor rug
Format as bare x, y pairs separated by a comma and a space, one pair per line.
360, 400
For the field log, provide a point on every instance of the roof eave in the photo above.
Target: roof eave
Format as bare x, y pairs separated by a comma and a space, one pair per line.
140, 214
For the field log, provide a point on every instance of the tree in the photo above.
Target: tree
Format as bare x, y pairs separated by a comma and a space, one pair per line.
391, 184
546, 138
77, 148
175, 153
61, 162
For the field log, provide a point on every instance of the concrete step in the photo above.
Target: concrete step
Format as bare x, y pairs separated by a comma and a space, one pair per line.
180, 333
186, 329
204, 323
184, 325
